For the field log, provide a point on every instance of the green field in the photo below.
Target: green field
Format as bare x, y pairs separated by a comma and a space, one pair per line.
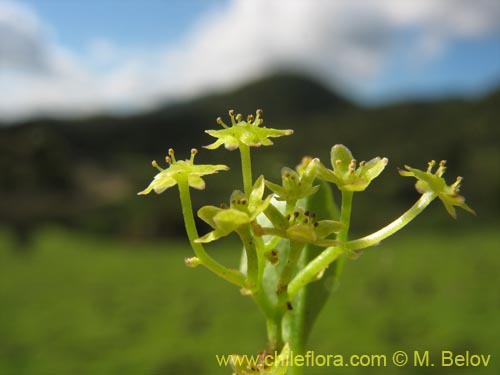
80, 304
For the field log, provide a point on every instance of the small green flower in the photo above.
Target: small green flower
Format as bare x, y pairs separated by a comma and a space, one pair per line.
346, 174
242, 211
303, 227
296, 185
181, 170
248, 132
434, 182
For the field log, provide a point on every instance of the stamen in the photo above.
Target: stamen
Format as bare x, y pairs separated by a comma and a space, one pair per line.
441, 169
430, 165
172, 154
352, 166
155, 164
193, 153
231, 114
362, 163
250, 118
239, 117
221, 123
456, 185
168, 159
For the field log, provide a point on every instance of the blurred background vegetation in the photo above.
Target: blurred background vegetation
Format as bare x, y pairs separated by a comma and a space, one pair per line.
92, 278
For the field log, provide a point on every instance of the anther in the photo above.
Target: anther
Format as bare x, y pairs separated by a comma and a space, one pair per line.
352, 166
307, 213
155, 165
231, 113
315, 224
244, 202
296, 214
259, 112
193, 153
250, 118
239, 117
338, 162
362, 163
168, 159
221, 123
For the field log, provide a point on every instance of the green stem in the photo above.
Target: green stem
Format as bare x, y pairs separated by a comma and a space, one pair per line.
313, 268
327, 256
252, 258
343, 235
396, 225
274, 333
246, 168
232, 276
290, 265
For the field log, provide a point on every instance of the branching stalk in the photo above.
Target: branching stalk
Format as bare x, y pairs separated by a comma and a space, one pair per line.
396, 225
233, 276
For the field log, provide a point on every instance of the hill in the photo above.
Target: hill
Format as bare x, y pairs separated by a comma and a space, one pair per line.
85, 172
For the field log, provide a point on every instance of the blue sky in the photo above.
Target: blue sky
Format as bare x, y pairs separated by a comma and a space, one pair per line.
79, 57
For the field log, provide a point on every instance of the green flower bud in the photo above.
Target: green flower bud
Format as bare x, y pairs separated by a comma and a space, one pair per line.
296, 185
347, 174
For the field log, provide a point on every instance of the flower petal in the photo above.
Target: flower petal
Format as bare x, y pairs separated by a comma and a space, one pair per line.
196, 182
207, 213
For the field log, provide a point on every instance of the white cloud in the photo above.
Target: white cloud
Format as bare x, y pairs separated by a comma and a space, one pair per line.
345, 42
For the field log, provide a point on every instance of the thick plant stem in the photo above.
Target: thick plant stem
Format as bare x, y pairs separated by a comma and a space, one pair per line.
289, 268
327, 256
233, 276
396, 225
345, 219
274, 334
246, 168
252, 258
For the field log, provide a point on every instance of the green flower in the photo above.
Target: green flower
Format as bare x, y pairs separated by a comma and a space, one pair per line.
248, 132
347, 174
180, 171
303, 227
434, 182
241, 212
296, 185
